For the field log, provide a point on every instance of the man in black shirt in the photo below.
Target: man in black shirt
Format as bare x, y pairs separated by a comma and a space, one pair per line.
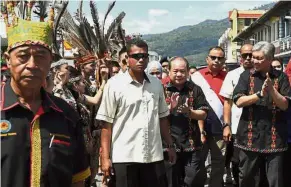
42, 141
264, 93
187, 104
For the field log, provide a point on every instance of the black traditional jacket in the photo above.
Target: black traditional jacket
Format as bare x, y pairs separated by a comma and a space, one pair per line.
44, 149
185, 131
262, 126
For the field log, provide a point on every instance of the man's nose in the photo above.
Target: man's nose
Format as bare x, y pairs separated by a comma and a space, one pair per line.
31, 63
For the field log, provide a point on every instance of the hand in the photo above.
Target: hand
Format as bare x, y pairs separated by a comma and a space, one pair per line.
172, 155
203, 138
106, 169
268, 81
104, 73
227, 134
267, 86
184, 109
264, 89
174, 100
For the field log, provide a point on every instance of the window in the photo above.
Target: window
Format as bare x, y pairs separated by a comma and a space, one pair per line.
273, 32
259, 36
277, 31
247, 21
287, 25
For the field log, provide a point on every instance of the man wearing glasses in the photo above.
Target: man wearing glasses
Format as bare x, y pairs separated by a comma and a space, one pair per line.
231, 112
134, 113
210, 79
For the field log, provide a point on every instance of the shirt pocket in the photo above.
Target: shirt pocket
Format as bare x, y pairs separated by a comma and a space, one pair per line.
60, 157
152, 101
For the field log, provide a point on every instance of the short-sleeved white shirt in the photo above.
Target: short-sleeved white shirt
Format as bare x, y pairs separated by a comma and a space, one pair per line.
226, 91
135, 110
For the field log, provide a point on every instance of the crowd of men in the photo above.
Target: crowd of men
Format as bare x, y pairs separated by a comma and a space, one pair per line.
141, 123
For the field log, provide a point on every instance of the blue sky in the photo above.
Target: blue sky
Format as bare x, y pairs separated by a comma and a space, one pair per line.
149, 17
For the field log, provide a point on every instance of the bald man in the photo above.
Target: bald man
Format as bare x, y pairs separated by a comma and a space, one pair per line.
232, 113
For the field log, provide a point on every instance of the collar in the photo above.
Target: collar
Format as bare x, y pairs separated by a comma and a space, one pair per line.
273, 73
207, 71
188, 85
9, 99
129, 79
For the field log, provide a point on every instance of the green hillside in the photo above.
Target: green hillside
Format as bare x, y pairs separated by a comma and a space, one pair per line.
192, 41
188, 40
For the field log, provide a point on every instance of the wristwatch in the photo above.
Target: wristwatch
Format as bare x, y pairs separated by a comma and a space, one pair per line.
203, 133
225, 125
259, 94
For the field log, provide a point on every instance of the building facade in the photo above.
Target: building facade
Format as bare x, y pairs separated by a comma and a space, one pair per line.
239, 21
225, 42
275, 27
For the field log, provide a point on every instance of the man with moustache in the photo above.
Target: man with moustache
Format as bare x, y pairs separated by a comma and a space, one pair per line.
187, 105
134, 115
263, 93
42, 141
231, 113
210, 79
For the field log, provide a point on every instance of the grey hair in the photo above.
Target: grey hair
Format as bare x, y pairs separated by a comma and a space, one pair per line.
267, 48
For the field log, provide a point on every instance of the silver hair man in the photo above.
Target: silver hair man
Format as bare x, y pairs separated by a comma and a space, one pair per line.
267, 48
263, 55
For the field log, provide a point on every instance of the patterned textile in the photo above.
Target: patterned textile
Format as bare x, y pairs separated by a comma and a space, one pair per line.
64, 93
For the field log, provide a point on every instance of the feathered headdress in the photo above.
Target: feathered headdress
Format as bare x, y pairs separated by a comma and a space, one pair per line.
21, 30
92, 41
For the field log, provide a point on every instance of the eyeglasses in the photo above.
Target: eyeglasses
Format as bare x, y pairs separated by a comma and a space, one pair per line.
155, 73
138, 56
219, 58
246, 55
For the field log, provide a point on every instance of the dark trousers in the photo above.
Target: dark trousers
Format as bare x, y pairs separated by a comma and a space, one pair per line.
262, 179
183, 173
250, 164
235, 163
287, 167
217, 148
140, 174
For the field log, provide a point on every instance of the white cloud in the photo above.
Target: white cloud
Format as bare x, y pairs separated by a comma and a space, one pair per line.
158, 12
140, 26
145, 26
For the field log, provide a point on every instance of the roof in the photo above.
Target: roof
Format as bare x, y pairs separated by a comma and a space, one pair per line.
246, 13
243, 15
278, 9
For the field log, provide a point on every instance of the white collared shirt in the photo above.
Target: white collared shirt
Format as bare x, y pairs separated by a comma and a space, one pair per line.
226, 91
134, 109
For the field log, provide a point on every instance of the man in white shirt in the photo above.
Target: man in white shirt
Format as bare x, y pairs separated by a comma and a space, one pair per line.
134, 113
231, 113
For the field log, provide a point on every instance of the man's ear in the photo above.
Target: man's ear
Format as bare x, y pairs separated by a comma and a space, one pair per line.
7, 59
